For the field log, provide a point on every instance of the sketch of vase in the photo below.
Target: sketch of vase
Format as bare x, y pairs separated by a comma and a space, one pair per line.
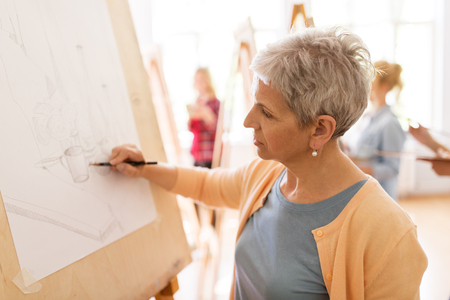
57, 124
75, 162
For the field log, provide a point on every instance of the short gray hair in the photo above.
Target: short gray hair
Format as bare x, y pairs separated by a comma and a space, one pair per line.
319, 72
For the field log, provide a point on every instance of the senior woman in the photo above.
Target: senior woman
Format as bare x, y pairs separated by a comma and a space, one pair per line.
312, 225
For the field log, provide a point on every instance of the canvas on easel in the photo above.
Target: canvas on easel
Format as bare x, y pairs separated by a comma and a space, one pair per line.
73, 87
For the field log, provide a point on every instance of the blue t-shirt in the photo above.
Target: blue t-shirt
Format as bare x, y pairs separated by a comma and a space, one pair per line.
276, 255
383, 133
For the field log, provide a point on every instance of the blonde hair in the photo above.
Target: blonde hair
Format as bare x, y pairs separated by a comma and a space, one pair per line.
388, 73
207, 76
319, 72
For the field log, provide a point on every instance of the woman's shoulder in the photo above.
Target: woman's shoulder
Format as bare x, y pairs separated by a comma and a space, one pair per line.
376, 209
213, 101
214, 104
380, 228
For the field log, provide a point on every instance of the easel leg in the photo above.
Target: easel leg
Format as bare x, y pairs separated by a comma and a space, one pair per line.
168, 292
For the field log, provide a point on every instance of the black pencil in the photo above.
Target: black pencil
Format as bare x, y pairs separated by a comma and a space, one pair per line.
133, 163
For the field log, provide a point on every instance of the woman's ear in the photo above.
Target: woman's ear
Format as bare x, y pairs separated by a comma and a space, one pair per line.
323, 131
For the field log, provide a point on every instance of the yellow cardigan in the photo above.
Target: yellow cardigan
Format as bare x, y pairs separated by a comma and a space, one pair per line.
370, 251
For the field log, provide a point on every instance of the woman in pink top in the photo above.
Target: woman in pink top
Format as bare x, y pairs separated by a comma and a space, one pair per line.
309, 89
203, 117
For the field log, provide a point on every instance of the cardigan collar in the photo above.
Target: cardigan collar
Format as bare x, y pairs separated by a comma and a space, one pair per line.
251, 207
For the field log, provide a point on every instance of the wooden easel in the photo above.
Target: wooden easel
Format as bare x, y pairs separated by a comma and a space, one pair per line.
243, 53
169, 132
163, 107
141, 264
298, 11
169, 291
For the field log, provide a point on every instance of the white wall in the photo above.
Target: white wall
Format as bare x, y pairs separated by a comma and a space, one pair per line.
445, 38
417, 177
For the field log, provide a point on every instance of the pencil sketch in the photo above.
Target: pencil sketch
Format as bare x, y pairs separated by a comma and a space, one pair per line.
9, 22
64, 105
28, 210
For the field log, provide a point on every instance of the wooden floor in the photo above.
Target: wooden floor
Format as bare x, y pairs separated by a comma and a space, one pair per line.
430, 213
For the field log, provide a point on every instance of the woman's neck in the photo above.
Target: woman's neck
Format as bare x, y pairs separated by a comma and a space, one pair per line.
313, 179
379, 105
380, 100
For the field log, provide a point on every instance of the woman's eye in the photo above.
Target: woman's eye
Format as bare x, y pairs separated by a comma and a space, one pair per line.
266, 113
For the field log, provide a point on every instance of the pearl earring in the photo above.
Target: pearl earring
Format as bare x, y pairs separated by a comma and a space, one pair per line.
314, 153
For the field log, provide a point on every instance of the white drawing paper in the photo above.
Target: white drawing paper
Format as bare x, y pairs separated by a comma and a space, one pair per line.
63, 104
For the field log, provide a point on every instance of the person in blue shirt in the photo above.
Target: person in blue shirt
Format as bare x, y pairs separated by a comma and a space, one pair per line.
382, 131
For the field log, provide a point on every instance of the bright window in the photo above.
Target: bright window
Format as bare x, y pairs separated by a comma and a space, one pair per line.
396, 31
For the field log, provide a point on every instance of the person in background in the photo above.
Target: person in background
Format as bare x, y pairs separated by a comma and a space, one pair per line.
421, 134
203, 116
383, 131
312, 225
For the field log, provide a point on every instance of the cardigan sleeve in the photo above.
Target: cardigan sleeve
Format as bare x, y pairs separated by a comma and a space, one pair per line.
213, 187
229, 188
400, 275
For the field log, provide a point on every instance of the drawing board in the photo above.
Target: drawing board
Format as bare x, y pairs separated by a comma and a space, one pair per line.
73, 86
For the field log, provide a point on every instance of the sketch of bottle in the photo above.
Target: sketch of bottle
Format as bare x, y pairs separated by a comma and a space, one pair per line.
96, 115
74, 160
10, 23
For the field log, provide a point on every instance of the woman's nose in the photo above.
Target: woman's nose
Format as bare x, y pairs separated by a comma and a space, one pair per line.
249, 121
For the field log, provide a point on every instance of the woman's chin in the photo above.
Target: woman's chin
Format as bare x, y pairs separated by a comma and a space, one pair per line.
262, 154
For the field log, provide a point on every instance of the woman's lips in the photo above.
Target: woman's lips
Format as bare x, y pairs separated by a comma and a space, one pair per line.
256, 142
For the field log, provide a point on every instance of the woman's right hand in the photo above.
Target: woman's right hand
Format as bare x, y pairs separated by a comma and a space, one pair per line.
440, 167
126, 153
422, 135
162, 174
